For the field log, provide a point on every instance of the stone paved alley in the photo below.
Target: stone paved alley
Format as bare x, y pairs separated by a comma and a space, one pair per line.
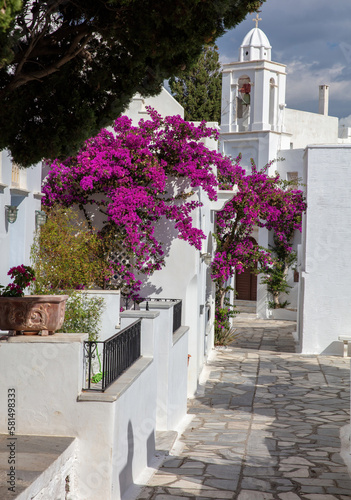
268, 425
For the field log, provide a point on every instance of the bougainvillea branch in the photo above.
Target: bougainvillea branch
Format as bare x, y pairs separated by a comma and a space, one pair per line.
259, 202
136, 175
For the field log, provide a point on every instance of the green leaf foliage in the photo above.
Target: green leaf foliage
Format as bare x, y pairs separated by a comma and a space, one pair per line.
83, 314
67, 255
8, 11
225, 312
199, 89
69, 68
275, 276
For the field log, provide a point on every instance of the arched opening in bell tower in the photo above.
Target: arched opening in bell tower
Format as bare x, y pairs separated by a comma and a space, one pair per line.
243, 103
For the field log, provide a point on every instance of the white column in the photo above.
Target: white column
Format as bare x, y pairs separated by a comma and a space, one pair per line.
260, 113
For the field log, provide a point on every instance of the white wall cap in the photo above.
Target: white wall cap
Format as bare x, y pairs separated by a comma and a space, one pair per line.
19, 191
97, 291
139, 314
223, 196
37, 195
56, 338
119, 386
159, 304
328, 146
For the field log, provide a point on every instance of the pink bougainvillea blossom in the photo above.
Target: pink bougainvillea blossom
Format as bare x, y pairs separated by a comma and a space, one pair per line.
137, 175
259, 202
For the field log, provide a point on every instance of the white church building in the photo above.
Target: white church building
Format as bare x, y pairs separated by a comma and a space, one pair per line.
256, 123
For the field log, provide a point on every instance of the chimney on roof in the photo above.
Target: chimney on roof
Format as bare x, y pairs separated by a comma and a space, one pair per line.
323, 100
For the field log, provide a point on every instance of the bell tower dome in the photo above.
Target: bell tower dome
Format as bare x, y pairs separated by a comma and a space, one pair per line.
255, 46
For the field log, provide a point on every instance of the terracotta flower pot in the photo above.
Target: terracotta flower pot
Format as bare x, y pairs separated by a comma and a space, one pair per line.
32, 313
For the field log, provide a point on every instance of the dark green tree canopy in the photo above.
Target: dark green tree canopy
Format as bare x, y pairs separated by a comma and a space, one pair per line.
69, 68
199, 89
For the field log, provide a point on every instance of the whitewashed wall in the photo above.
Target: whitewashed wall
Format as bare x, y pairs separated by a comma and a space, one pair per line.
115, 431
164, 103
310, 128
110, 320
170, 352
325, 295
16, 239
185, 276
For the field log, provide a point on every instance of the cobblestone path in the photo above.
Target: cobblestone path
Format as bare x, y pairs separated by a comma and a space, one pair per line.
267, 426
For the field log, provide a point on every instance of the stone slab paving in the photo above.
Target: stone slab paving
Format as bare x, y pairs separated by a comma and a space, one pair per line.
267, 426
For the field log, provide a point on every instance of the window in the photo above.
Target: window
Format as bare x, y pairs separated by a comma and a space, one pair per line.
293, 178
18, 177
15, 177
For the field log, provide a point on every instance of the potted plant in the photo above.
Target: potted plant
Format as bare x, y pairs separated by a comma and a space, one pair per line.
29, 314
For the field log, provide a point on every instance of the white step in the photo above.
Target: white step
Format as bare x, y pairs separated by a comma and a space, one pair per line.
44, 467
245, 306
245, 317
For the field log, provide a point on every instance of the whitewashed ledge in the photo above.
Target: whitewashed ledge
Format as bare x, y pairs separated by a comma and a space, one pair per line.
58, 338
158, 304
120, 385
131, 313
178, 334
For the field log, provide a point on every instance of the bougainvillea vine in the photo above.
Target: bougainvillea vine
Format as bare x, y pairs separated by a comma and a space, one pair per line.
262, 202
136, 175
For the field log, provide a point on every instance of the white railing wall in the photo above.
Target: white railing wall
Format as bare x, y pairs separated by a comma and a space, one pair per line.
115, 430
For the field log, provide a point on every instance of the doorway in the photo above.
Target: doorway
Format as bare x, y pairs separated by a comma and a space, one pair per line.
246, 282
246, 285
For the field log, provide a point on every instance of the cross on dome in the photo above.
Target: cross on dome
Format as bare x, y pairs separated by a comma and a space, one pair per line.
256, 19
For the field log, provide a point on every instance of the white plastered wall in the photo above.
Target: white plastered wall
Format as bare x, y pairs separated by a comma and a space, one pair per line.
326, 271
310, 128
115, 431
185, 276
16, 239
164, 103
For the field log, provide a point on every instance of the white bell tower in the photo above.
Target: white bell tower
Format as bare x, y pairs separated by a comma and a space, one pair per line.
252, 121
253, 89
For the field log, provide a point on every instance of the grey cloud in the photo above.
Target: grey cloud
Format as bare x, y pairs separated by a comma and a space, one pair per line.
316, 34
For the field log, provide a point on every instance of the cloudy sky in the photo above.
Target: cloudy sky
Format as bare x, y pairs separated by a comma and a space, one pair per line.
313, 38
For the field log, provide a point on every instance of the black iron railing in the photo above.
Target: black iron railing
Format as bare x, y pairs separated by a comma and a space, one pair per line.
177, 315
106, 361
177, 309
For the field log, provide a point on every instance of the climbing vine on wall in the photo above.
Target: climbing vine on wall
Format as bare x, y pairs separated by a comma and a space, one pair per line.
135, 176
261, 201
